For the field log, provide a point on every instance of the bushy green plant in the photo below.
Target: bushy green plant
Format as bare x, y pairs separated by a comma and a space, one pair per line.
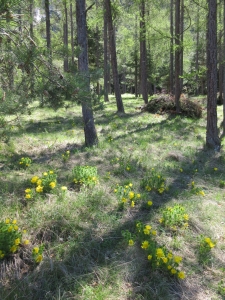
158, 256
10, 238
174, 217
154, 181
204, 249
85, 175
25, 162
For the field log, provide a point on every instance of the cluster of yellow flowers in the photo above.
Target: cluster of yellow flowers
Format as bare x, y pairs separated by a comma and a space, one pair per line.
159, 257
11, 237
37, 254
196, 190
127, 195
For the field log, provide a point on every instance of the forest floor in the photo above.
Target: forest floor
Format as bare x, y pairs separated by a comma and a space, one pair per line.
149, 222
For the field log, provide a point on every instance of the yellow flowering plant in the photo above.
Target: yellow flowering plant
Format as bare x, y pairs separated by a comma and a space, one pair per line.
85, 175
204, 249
37, 253
10, 238
44, 184
174, 217
154, 181
159, 257
25, 162
126, 195
66, 156
123, 165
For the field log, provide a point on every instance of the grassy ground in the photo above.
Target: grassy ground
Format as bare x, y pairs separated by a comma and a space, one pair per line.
85, 255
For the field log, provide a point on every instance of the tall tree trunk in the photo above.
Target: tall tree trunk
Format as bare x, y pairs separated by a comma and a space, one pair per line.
136, 58
65, 39
181, 44
177, 56
72, 35
31, 47
143, 54
212, 138
89, 126
106, 69
220, 98
48, 28
171, 48
223, 67
197, 55
111, 32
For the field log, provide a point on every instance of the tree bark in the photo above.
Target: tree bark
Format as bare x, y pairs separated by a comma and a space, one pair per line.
111, 33
212, 138
48, 28
106, 69
89, 126
65, 39
223, 67
177, 56
143, 54
72, 35
171, 49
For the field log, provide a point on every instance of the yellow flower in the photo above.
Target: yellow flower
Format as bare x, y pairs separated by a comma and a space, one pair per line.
181, 170
149, 257
161, 190
28, 196
51, 172
131, 195
28, 191
63, 188
211, 245
202, 193
130, 184
115, 190
124, 200
39, 189
26, 242
207, 240
13, 248
169, 267
148, 188
181, 275
177, 259
45, 173
1, 254
14, 222
39, 181
132, 204
131, 242
215, 169
15, 227
17, 241
39, 258
186, 217
170, 255
149, 203
154, 232
7, 221
34, 179
173, 271
159, 252
161, 220
10, 228
145, 245
138, 195
165, 260
52, 184
128, 168
146, 231
35, 250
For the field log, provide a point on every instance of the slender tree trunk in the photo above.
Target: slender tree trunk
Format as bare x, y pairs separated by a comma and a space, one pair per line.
48, 29
220, 98
197, 55
65, 39
181, 44
143, 54
136, 58
171, 49
111, 32
72, 35
89, 126
106, 68
177, 56
223, 67
212, 138
31, 47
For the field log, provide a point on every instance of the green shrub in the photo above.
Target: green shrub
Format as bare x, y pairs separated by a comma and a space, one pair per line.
85, 175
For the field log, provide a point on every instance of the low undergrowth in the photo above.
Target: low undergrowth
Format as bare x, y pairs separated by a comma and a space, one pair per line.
140, 216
